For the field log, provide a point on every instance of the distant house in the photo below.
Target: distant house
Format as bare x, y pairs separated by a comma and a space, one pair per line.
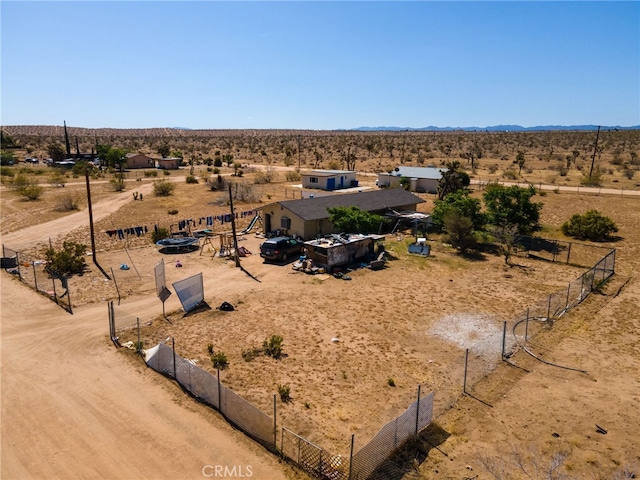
172, 163
139, 160
329, 179
308, 218
421, 179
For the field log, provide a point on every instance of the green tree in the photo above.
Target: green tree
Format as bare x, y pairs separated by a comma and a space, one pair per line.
459, 230
453, 179
164, 149
56, 152
507, 206
117, 158
353, 220
68, 260
7, 158
460, 200
591, 226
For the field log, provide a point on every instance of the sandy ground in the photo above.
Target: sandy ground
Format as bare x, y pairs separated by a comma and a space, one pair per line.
391, 324
74, 407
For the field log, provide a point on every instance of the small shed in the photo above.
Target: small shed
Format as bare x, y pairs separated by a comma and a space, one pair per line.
334, 251
421, 179
329, 179
139, 160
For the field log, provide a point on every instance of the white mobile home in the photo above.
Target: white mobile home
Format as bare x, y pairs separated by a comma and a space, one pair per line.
329, 179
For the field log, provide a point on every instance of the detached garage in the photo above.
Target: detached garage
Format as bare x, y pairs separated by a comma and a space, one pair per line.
421, 179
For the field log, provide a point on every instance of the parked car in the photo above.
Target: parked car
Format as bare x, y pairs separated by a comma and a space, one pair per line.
280, 248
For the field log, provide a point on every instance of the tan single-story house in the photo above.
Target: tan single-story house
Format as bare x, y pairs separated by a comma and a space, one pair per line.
421, 179
307, 218
139, 160
170, 163
329, 179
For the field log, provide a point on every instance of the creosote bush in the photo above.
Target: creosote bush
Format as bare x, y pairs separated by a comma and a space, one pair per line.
272, 346
163, 188
285, 393
591, 226
67, 203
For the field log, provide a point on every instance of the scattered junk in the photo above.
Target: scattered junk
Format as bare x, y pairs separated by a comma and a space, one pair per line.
124, 266
415, 220
379, 263
335, 252
420, 247
226, 307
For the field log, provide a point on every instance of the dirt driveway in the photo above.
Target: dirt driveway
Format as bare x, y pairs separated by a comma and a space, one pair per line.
73, 407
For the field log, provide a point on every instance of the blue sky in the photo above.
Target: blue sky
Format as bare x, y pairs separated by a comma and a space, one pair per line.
319, 65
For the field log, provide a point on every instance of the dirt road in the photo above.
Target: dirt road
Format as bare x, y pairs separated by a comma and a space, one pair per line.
73, 406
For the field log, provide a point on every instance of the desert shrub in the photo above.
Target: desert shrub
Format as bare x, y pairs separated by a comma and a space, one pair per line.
493, 168
79, 168
117, 183
251, 353
591, 226
166, 173
68, 260
292, 176
217, 184
593, 180
159, 234
163, 188
210, 348
391, 382
245, 192
285, 393
58, 179
172, 211
31, 192
19, 181
265, 176
510, 174
219, 360
628, 173
150, 173
6, 172
272, 346
191, 179
67, 203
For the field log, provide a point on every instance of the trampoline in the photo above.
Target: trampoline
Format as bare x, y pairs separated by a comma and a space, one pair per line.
178, 244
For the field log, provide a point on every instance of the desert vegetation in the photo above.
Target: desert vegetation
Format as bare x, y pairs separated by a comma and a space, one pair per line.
548, 156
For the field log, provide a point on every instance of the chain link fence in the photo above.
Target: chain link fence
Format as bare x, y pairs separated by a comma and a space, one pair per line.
372, 460
518, 333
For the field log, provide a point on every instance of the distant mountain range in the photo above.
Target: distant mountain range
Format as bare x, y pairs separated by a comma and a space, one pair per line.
495, 128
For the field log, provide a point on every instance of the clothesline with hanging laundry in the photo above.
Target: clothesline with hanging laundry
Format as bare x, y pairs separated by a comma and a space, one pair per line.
210, 220
122, 233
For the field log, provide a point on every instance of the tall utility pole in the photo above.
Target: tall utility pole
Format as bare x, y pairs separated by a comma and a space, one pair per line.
93, 238
233, 227
595, 150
